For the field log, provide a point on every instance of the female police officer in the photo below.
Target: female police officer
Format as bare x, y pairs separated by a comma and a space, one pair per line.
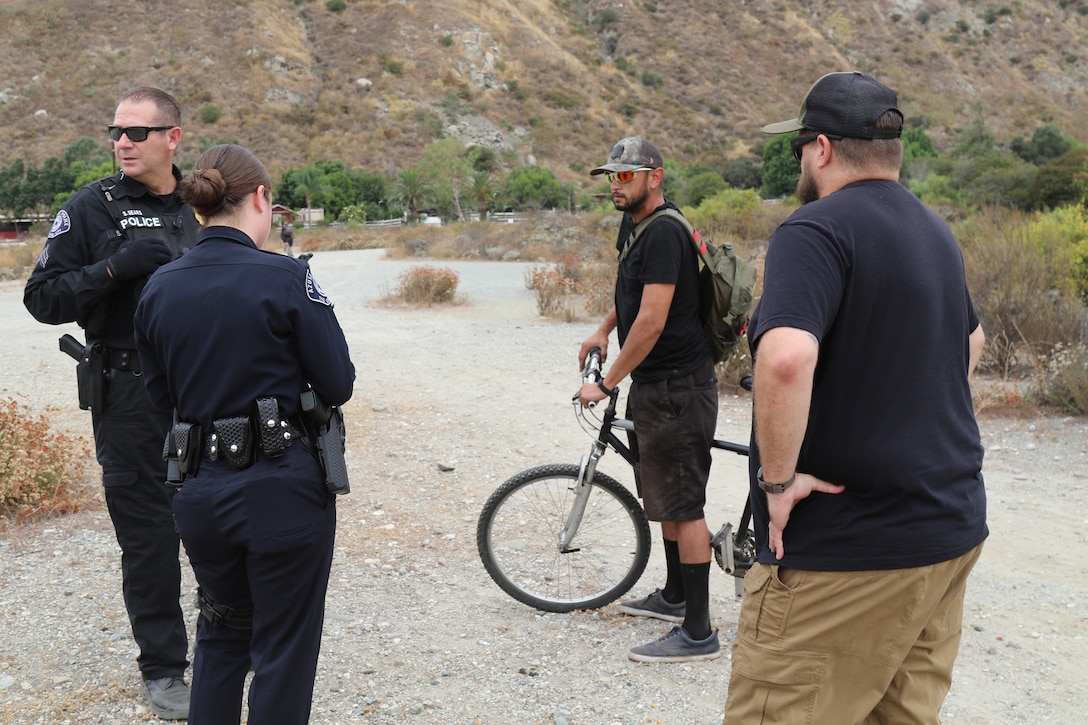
230, 336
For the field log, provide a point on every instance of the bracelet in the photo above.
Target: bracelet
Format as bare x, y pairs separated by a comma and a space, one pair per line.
604, 388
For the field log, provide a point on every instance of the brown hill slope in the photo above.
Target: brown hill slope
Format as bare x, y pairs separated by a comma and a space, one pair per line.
550, 81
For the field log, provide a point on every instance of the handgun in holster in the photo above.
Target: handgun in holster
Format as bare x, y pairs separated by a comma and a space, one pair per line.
326, 425
91, 377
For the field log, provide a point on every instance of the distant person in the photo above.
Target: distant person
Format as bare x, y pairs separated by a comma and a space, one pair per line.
230, 337
673, 399
104, 243
287, 236
867, 494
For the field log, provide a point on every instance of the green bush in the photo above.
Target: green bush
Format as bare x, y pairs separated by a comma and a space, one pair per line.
737, 215
209, 113
335, 5
352, 214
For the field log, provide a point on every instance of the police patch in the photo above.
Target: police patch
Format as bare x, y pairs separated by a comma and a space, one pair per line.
61, 224
314, 292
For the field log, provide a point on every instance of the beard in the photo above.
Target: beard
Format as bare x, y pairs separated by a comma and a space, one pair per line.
806, 189
633, 202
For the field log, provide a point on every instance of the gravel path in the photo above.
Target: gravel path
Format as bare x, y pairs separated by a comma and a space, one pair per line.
415, 630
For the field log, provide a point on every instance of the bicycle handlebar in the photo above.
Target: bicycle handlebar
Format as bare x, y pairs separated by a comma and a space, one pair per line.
591, 373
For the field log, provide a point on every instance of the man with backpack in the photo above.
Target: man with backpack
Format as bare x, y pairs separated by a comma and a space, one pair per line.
287, 236
673, 399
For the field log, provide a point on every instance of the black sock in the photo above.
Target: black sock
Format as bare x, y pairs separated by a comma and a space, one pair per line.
697, 594
673, 593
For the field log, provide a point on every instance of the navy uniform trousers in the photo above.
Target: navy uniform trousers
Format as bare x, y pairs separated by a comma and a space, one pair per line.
128, 441
259, 538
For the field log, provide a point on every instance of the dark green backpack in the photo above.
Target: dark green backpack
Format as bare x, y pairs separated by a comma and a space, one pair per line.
726, 286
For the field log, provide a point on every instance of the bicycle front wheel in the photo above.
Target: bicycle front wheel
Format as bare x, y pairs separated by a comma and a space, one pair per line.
518, 539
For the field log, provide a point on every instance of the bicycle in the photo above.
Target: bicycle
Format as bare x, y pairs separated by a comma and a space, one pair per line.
562, 537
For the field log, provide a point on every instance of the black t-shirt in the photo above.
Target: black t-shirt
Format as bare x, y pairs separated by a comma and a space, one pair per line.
878, 279
663, 254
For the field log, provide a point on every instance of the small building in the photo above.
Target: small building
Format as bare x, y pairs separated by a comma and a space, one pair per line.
281, 214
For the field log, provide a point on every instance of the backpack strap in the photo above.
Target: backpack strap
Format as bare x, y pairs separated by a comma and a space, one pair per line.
641, 227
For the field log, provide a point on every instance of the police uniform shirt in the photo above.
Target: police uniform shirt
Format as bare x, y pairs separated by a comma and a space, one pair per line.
229, 323
70, 282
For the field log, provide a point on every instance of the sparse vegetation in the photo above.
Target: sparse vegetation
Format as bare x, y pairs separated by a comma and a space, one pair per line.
427, 285
42, 470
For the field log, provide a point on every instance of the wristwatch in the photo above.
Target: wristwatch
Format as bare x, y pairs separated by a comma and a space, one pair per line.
774, 487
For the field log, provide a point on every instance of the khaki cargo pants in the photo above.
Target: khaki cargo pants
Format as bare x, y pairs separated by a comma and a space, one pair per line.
831, 648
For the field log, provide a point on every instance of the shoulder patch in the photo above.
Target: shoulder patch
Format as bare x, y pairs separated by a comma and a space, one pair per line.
61, 224
314, 292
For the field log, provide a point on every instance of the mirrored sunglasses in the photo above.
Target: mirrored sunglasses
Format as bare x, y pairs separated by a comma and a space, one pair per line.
624, 176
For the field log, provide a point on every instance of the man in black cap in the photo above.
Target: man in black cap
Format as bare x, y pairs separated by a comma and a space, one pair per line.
867, 494
673, 399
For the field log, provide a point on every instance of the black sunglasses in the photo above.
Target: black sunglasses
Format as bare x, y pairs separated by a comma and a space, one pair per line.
797, 143
135, 134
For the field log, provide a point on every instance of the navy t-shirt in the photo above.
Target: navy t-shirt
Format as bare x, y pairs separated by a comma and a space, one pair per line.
663, 254
878, 279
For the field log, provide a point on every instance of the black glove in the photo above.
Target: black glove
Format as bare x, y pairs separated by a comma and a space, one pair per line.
138, 258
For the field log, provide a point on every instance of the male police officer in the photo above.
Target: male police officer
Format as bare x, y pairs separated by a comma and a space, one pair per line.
105, 242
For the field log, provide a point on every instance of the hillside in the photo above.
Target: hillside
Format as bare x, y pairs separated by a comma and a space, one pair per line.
550, 81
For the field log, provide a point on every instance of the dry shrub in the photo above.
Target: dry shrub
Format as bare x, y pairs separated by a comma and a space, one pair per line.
16, 260
42, 471
553, 289
1019, 277
1066, 378
735, 366
427, 285
598, 288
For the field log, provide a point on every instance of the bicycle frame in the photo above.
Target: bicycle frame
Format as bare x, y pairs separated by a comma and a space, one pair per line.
735, 559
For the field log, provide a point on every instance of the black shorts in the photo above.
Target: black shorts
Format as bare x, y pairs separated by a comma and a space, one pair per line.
674, 422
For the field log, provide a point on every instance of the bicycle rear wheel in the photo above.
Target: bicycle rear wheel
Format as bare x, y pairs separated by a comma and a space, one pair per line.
518, 532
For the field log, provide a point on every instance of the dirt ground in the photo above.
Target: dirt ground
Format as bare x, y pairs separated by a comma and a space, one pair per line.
449, 402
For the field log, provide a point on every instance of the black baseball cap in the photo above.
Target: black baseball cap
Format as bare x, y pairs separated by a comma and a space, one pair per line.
844, 104
629, 154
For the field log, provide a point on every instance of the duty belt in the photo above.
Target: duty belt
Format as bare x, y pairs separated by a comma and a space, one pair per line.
234, 439
123, 359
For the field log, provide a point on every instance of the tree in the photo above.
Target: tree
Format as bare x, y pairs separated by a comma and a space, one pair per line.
451, 170
412, 191
482, 191
780, 170
310, 182
1047, 143
1055, 184
703, 186
917, 145
533, 187
743, 173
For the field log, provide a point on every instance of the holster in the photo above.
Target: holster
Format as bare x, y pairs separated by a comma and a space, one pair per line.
91, 378
325, 424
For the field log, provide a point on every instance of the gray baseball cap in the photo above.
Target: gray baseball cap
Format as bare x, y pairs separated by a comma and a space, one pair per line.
629, 154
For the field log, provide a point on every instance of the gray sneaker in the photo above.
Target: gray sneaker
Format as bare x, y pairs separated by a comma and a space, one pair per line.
678, 646
654, 606
168, 697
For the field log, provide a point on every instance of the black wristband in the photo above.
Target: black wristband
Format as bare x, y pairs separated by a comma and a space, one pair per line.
604, 388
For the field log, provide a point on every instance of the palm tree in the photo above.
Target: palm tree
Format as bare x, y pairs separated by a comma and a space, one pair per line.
310, 182
483, 192
411, 189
